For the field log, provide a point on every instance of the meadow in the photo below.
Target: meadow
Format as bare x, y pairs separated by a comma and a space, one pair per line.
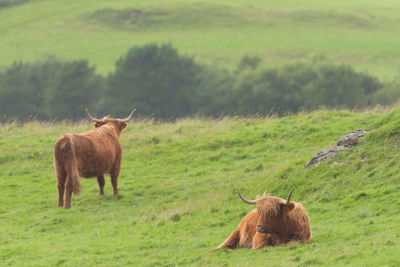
177, 185
363, 34
177, 192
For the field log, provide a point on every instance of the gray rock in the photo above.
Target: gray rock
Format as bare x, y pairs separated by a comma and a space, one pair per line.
351, 139
323, 155
348, 140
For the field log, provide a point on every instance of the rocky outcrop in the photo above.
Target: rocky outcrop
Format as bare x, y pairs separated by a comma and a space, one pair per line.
351, 139
348, 140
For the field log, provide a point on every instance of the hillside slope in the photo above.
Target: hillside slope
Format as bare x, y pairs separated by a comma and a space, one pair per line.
177, 192
363, 34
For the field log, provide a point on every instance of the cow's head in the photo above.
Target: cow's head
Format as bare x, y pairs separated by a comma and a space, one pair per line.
271, 211
117, 123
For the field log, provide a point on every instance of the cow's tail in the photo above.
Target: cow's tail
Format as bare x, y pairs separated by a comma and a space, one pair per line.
66, 151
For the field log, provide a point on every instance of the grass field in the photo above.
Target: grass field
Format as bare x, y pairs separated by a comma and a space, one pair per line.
177, 193
363, 34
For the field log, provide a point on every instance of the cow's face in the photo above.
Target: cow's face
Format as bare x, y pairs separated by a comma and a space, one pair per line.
271, 211
268, 212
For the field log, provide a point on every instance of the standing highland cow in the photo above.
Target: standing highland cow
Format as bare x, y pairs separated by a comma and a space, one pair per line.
89, 154
274, 222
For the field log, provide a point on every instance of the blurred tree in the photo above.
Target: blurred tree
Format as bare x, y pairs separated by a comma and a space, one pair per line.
22, 88
302, 86
248, 62
74, 87
156, 80
273, 90
215, 96
49, 89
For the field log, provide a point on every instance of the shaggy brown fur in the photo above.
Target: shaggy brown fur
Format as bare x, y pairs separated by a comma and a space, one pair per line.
274, 222
90, 154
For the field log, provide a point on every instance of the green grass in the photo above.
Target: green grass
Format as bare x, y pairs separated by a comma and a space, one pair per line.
177, 193
363, 34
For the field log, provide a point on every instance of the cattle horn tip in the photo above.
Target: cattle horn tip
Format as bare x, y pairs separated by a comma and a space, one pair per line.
91, 117
290, 194
245, 200
129, 117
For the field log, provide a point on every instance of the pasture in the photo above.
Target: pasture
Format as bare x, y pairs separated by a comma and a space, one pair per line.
363, 34
177, 192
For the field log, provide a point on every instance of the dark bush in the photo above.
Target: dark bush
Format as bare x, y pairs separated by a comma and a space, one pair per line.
342, 86
156, 80
388, 95
215, 96
273, 90
50, 89
248, 62
23, 88
74, 87
303, 86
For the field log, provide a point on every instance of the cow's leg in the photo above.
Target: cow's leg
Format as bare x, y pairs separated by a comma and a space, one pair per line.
68, 194
231, 242
299, 238
114, 182
114, 176
100, 181
261, 240
61, 177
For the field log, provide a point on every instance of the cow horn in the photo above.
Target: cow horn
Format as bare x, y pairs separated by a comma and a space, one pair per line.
285, 202
129, 117
290, 194
245, 200
92, 118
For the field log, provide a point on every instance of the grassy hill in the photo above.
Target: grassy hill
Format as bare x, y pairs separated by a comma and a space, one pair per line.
363, 34
177, 193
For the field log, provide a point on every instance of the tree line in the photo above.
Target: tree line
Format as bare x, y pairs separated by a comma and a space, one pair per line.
161, 83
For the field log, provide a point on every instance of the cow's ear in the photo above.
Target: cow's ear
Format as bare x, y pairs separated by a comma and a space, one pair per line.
123, 125
288, 206
98, 124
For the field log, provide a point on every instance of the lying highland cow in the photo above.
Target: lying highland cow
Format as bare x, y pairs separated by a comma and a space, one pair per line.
90, 154
274, 222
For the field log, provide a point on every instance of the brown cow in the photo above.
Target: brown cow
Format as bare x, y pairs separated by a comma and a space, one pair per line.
274, 222
89, 154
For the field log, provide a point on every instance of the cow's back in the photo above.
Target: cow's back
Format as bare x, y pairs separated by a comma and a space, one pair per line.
96, 153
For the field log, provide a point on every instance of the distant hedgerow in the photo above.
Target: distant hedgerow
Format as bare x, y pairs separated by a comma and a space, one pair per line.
161, 83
